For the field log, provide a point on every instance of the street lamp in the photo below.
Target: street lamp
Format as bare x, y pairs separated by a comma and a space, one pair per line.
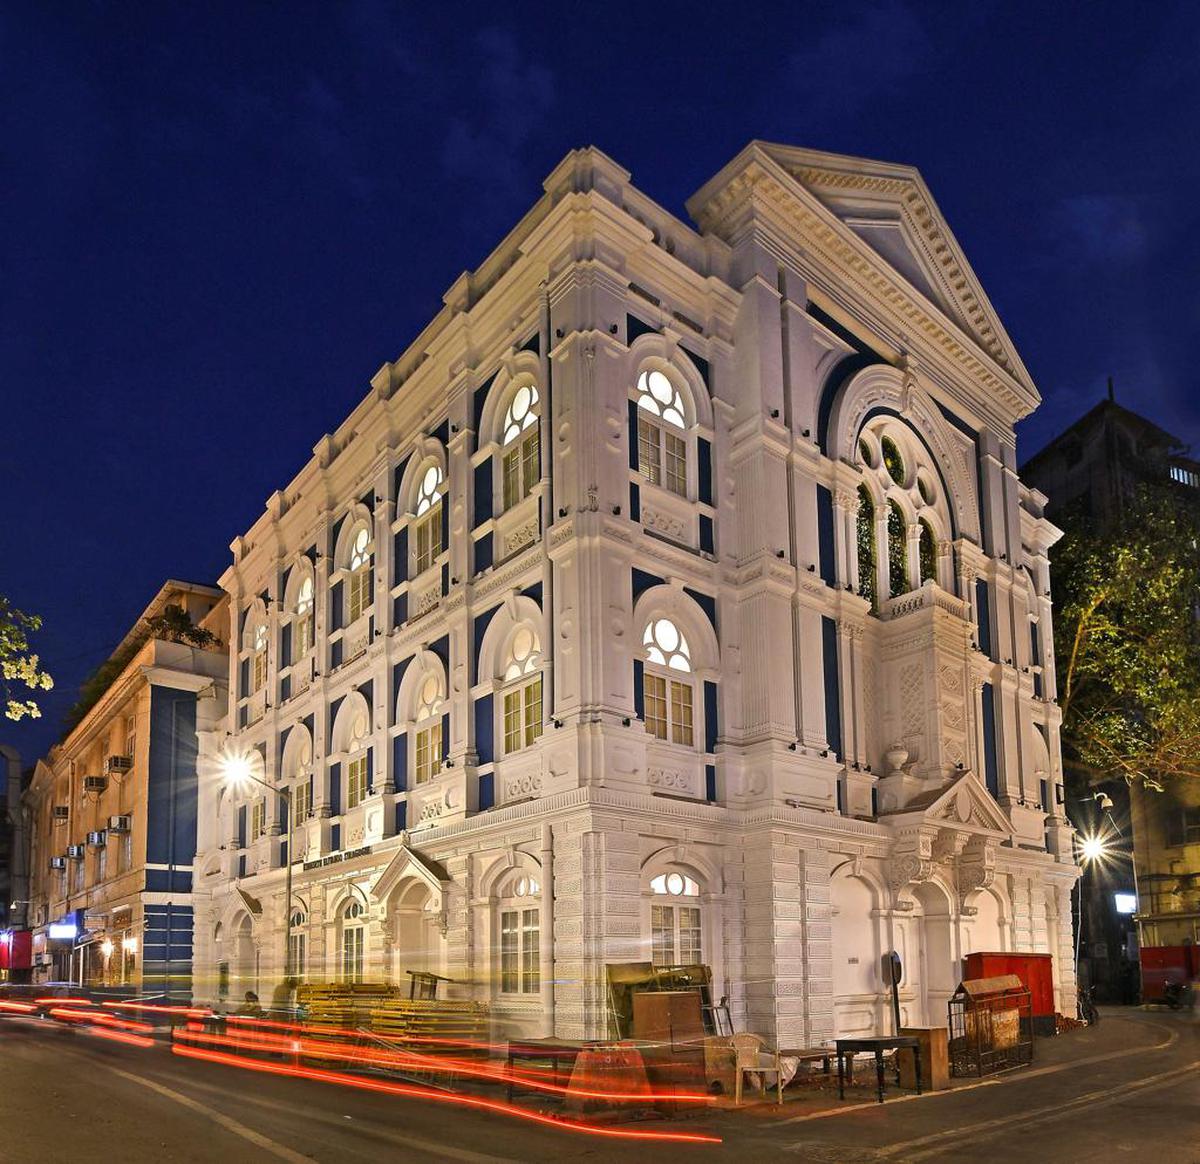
237, 769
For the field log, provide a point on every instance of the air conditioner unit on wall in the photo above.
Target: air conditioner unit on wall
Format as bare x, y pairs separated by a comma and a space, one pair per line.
115, 765
96, 839
62, 813
58, 862
75, 852
119, 824
95, 783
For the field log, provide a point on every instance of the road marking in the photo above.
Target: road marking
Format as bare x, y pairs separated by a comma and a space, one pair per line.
935, 1143
227, 1122
1013, 1077
368, 1127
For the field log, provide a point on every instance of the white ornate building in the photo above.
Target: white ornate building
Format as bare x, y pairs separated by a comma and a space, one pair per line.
672, 598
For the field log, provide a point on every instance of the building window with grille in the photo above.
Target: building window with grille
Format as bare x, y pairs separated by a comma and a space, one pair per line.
302, 800
520, 938
666, 683
358, 589
661, 432
258, 819
354, 934
520, 460
356, 781
522, 697
676, 922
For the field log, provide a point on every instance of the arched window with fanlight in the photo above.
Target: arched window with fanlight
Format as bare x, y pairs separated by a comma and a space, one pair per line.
518, 916
901, 494
358, 564
297, 944
428, 744
667, 683
521, 699
259, 642
676, 921
427, 529
354, 940
520, 441
303, 615
661, 432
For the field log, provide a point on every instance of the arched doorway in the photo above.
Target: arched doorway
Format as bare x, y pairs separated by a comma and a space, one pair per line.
416, 932
856, 972
937, 968
245, 957
985, 931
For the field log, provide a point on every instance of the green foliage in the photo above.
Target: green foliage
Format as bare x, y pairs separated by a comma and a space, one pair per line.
897, 529
893, 462
19, 667
174, 625
1127, 643
928, 550
866, 545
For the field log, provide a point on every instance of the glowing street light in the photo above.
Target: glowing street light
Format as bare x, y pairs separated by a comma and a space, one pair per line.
106, 947
237, 770
1093, 848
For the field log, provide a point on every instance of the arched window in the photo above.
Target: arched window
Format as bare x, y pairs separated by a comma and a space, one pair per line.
356, 763
522, 698
303, 632
427, 532
897, 529
902, 493
662, 432
428, 743
866, 546
666, 683
520, 461
358, 598
297, 944
928, 552
519, 919
676, 929
354, 933
297, 771
260, 639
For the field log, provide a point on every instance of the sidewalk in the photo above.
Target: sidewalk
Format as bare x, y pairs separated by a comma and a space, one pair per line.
814, 1095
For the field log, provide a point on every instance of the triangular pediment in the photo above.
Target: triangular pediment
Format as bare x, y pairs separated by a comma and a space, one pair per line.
888, 234
964, 804
891, 209
409, 864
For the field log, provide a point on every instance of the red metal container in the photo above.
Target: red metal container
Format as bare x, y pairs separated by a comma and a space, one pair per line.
1163, 964
1034, 971
16, 950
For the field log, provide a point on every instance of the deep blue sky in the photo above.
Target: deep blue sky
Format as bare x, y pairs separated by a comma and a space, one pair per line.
219, 220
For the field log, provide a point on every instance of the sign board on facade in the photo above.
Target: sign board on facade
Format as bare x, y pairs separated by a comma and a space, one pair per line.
335, 858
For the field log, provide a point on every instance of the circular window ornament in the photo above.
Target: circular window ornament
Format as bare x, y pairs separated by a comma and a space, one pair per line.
427, 493
675, 884
520, 414
925, 488
658, 396
666, 645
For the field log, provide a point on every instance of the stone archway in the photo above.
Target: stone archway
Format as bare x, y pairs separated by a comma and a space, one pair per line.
855, 956
937, 971
416, 935
245, 958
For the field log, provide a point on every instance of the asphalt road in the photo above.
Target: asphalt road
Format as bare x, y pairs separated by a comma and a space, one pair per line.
1129, 1088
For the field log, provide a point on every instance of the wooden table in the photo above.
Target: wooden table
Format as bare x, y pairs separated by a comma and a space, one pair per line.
552, 1051
875, 1044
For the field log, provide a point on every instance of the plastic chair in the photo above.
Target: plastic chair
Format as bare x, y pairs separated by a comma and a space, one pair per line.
751, 1054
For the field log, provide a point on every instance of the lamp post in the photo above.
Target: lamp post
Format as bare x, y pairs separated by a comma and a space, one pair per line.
238, 773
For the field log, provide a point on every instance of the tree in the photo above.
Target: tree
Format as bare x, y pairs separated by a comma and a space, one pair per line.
1127, 642
18, 665
174, 624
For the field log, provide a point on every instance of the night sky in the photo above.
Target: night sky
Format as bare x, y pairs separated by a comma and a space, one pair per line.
219, 220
